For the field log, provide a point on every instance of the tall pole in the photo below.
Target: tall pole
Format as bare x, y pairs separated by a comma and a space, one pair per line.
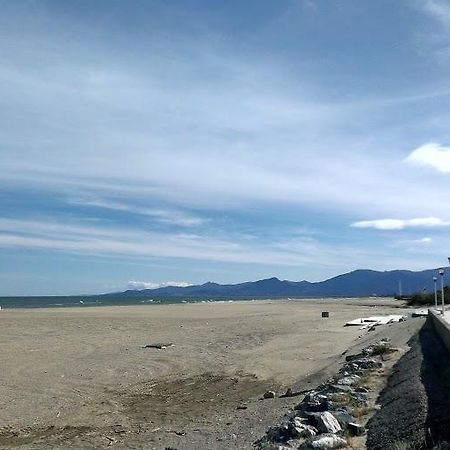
435, 293
441, 273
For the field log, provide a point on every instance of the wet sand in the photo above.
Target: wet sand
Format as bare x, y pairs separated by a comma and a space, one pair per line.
81, 377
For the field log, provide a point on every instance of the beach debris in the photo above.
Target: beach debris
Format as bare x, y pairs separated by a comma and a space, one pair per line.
243, 406
325, 314
159, 346
288, 393
269, 394
178, 433
373, 321
118, 428
324, 442
111, 441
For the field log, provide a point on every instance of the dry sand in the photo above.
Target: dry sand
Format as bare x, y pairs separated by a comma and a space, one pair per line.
80, 377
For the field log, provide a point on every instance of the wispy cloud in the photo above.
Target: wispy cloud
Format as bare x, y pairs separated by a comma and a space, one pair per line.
168, 216
118, 242
432, 155
400, 224
437, 38
122, 241
438, 9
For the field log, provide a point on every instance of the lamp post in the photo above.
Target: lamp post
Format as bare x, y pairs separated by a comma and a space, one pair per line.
441, 273
435, 292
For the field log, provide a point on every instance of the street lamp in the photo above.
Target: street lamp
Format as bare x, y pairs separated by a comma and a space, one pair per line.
441, 273
435, 292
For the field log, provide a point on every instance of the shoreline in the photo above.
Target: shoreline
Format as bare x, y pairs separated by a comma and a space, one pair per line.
8, 303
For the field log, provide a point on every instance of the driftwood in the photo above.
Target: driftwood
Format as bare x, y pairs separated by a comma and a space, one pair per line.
159, 345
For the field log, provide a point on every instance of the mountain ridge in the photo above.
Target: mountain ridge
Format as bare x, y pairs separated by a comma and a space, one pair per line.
360, 282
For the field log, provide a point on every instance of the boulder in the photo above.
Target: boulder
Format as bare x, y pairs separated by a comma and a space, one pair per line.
311, 396
362, 389
279, 433
359, 398
339, 388
353, 357
299, 421
326, 422
303, 431
314, 402
318, 405
348, 380
355, 429
324, 442
300, 429
269, 394
343, 417
368, 363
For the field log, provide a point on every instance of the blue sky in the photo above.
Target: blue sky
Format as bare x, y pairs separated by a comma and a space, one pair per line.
149, 142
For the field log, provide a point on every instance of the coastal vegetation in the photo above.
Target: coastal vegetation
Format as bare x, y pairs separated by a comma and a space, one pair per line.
425, 298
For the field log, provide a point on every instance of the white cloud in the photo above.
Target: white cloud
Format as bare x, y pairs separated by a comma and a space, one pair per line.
400, 224
139, 285
424, 240
432, 155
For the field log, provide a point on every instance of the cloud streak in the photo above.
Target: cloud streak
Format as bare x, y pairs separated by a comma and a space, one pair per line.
120, 241
401, 224
172, 217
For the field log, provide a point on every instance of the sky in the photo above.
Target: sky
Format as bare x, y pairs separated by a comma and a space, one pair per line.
146, 143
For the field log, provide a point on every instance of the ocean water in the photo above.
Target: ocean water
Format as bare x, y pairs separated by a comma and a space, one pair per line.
100, 300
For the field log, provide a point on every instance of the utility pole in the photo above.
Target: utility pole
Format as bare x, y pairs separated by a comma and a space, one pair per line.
441, 273
435, 292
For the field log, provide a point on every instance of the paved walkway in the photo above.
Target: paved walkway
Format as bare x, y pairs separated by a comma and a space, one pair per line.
446, 315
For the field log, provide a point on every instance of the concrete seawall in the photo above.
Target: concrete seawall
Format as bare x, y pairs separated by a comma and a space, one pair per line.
441, 326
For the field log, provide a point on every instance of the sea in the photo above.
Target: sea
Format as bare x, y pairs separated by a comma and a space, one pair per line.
107, 300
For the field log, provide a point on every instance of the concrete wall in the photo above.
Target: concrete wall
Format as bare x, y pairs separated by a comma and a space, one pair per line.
441, 326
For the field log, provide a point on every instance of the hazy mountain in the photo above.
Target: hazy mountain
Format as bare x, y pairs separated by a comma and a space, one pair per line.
356, 283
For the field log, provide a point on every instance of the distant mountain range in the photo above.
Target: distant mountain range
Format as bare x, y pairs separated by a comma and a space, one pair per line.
354, 284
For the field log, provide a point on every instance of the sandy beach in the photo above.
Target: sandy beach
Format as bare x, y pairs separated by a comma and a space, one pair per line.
81, 377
